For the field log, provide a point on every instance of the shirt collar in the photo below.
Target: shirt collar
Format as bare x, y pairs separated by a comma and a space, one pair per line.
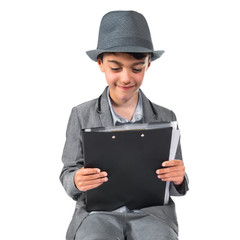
138, 114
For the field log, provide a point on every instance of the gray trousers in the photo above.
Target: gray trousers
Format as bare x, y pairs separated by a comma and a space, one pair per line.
122, 226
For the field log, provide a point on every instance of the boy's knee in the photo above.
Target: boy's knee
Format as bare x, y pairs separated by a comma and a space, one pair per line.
95, 236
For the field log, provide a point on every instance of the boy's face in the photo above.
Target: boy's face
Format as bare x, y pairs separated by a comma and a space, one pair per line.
124, 75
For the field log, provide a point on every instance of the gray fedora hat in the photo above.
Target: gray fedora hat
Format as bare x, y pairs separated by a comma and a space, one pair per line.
124, 31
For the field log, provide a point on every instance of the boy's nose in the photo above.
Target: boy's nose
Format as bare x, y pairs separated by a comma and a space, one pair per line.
126, 77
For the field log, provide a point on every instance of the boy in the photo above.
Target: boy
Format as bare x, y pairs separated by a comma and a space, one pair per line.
124, 54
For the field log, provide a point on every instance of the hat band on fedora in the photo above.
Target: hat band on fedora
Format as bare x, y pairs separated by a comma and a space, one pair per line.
124, 42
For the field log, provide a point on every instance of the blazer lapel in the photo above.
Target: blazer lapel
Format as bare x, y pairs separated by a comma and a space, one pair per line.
104, 111
148, 114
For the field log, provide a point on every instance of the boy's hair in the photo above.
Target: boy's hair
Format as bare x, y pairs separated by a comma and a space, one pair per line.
137, 56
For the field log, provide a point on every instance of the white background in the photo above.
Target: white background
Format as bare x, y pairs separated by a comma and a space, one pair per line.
44, 72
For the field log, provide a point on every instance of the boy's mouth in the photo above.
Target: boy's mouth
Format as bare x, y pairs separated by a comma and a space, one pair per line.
125, 87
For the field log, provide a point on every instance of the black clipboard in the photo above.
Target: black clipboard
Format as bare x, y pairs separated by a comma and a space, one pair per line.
131, 158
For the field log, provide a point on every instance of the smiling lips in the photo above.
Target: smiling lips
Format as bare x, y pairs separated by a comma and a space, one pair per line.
125, 87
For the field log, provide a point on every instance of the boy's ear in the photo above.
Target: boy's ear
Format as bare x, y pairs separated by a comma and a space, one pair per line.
100, 64
149, 64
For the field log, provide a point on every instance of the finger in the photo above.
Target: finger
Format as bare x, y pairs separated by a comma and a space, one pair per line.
89, 187
81, 184
88, 171
177, 180
92, 176
171, 174
170, 169
172, 163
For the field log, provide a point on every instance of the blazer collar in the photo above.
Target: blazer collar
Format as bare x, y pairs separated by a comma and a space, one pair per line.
103, 109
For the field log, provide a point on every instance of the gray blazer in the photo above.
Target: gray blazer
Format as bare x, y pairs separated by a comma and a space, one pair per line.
96, 113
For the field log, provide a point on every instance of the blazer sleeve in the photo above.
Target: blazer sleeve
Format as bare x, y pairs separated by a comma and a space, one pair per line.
72, 156
183, 188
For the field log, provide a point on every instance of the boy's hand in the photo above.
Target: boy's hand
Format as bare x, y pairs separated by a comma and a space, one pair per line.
89, 178
174, 170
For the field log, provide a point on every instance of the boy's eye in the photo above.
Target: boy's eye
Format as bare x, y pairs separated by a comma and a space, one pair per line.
136, 70
115, 69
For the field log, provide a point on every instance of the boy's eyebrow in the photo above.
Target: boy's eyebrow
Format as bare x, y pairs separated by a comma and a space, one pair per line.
138, 63
113, 61
120, 64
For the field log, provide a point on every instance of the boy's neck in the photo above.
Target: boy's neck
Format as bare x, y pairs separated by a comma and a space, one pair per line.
125, 108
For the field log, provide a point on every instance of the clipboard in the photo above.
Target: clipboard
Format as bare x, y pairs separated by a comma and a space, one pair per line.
130, 154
